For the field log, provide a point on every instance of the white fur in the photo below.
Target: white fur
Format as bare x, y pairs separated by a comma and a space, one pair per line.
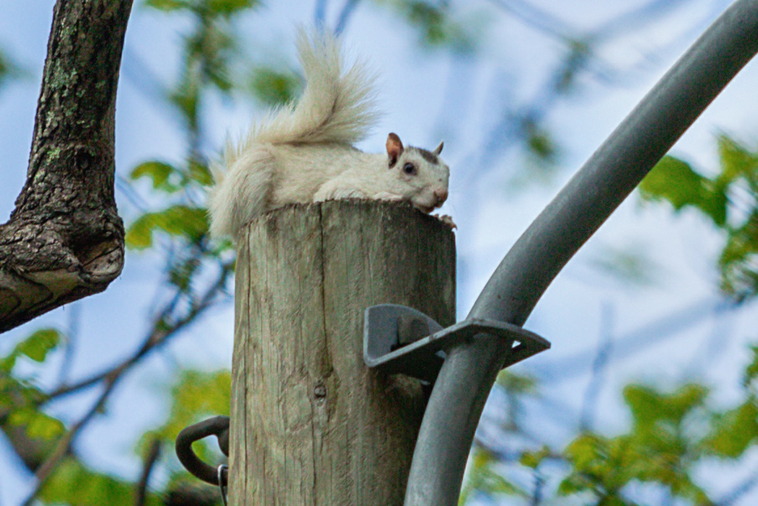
303, 152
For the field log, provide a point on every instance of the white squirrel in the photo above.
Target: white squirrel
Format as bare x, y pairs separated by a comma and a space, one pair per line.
304, 152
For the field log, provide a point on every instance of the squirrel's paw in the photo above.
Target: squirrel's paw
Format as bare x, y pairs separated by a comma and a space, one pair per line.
327, 192
447, 220
390, 197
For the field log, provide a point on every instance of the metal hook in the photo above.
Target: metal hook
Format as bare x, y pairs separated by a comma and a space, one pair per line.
218, 426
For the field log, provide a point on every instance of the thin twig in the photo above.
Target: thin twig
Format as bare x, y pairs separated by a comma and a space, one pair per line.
319, 15
157, 337
152, 457
637, 340
72, 337
347, 11
539, 486
111, 377
604, 349
63, 447
734, 495
537, 18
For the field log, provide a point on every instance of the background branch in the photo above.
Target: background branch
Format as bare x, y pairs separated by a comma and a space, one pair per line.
147, 468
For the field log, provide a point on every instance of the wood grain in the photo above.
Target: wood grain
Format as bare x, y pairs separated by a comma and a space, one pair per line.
311, 425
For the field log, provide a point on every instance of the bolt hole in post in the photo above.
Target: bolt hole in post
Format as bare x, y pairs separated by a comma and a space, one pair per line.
464, 380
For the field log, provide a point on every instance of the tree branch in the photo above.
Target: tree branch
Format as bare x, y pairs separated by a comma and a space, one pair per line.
140, 495
65, 240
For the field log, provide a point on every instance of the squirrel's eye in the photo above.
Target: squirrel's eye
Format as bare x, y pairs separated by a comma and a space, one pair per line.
409, 169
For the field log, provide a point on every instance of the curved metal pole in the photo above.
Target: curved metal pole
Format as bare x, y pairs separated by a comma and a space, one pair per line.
579, 209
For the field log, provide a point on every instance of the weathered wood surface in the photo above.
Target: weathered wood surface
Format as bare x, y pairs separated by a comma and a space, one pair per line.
311, 425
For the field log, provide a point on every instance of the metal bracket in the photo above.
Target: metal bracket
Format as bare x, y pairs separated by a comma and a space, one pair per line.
398, 339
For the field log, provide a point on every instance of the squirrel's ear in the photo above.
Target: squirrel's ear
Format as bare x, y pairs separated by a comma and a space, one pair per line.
394, 148
438, 149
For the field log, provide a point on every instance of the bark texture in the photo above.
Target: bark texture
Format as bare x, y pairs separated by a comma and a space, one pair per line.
311, 424
65, 240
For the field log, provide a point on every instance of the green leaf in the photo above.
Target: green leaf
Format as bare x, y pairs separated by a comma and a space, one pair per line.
584, 451
539, 141
675, 181
168, 5
159, 173
483, 477
739, 259
274, 87
179, 220
7, 364
516, 383
5, 68
37, 346
534, 459
200, 173
9, 69
186, 97
734, 431
493, 483
751, 371
229, 7
4, 65
201, 393
650, 406
736, 160
575, 483
593, 469
37, 424
195, 396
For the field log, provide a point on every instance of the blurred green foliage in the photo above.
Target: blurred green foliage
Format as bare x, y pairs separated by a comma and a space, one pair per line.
274, 87
484, 477
672, 434
728, 199
8, 69
438, 25
76, 485
201, 7
177, 220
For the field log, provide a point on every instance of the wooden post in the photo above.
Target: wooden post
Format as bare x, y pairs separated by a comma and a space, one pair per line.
311, 425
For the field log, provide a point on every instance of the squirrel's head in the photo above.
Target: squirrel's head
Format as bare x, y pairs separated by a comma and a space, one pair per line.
420, 176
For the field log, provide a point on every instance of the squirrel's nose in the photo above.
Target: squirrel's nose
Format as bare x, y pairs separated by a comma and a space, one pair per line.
441, 196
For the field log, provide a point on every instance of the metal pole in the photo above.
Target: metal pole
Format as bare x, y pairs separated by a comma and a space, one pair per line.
579, 209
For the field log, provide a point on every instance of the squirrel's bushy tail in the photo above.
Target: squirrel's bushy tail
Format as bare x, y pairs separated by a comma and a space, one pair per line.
241, 192
336, 106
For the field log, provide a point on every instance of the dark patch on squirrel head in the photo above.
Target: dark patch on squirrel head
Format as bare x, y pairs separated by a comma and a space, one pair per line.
426, 155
